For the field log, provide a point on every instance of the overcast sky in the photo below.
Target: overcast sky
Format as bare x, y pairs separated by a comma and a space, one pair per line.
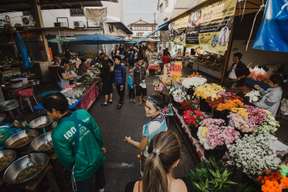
136, 9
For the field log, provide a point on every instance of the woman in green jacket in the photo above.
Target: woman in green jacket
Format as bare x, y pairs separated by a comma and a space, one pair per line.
78, 143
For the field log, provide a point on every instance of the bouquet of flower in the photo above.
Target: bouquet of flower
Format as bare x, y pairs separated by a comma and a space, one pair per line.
158, 86
253, 96
273, 182
240, 123
209, 91
213, 133
258, 74
256, 116
224, 97
230, 104
195, 74
193, 82
251, 119
270, 125
254, 154
179, 94
193, 118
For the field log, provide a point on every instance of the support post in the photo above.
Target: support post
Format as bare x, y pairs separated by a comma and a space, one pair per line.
39, 23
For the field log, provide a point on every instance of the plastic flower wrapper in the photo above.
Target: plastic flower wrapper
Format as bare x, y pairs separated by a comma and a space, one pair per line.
208, 91
284, 170
158, 86
193, 82
213, 133
179, 94
254, 154
253, 96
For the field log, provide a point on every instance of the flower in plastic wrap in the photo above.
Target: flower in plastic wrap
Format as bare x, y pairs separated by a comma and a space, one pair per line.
258, 120
253, 96
158, 86
193, 117
254, 154
209, 90
179, 94
193, 82
270, 125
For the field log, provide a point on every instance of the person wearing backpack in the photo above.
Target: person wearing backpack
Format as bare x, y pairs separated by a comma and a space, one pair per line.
78, 144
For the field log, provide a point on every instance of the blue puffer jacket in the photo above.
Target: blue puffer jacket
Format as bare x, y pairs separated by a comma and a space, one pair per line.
119, 74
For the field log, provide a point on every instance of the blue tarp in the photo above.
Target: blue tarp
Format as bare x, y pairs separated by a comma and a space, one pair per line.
273, 32
26, 60
96, 39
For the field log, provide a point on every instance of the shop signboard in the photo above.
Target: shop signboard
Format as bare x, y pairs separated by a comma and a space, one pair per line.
177, 30
210, 27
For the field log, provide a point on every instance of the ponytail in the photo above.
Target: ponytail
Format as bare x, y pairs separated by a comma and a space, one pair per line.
166, 151
155, 176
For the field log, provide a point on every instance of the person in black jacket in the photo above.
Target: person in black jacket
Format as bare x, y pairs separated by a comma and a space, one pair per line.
237, 66
107, 79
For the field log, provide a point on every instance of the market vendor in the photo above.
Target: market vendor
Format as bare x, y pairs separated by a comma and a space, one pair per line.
78, 144
272, 96
85, 66
237, 65
156, 125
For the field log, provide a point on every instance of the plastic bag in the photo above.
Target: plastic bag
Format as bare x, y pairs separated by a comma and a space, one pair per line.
272, 34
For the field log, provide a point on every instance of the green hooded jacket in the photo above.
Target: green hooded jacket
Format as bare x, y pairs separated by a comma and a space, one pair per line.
87, 157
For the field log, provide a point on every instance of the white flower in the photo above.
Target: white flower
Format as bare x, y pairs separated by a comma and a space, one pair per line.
193, 82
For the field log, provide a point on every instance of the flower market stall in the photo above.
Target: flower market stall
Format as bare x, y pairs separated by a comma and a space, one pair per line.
221, 124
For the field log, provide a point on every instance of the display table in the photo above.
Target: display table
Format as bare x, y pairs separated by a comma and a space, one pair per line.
185, 129
89, 97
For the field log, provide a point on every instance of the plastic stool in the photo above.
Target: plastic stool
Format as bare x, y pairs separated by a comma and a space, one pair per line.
26, 94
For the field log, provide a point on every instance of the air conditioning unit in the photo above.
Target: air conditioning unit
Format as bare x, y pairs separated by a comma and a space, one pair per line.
27, 21
60, 24
79, 24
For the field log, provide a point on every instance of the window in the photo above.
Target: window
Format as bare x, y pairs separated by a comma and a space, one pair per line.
166, 2
74, 12
161, 8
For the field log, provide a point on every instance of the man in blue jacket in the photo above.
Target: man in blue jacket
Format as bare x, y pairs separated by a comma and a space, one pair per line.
119, 79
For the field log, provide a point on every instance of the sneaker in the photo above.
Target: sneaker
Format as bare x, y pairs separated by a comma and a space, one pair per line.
104, 104
110, 102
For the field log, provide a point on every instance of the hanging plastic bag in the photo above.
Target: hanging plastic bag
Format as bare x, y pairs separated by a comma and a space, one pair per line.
272, 34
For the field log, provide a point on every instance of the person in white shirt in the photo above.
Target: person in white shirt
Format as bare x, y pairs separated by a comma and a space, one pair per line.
272, 98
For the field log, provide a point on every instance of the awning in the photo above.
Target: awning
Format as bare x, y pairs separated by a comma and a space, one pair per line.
163, 26
96, 39
26, 5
